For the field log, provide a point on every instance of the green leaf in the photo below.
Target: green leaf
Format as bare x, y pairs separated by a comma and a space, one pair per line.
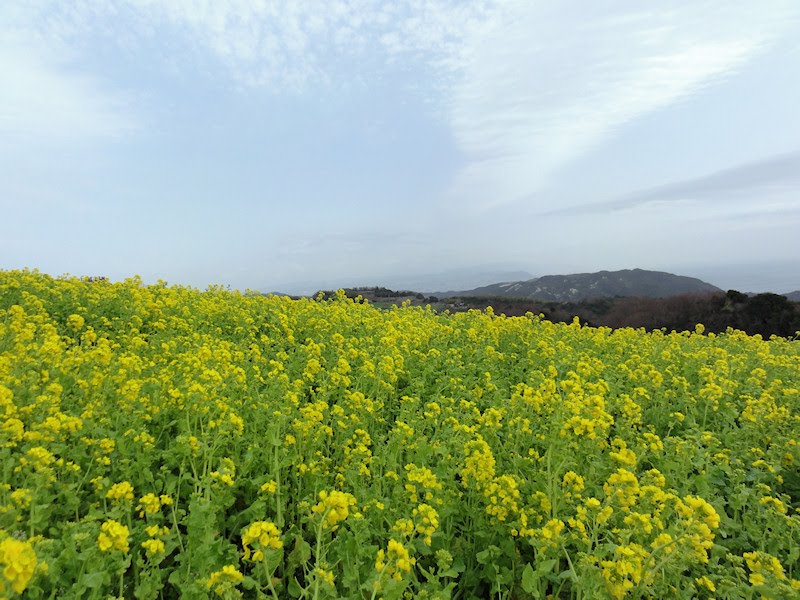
544, 567
294, 589
530, 580
300, 554
568, 574
458, 565
429, 576
94, 580
487, 556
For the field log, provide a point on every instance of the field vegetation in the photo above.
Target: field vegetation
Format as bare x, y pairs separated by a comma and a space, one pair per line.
163, 442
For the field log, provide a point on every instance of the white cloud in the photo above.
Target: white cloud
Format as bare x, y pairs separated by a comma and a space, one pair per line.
291, 46
550, 81
42, 101
526, 87
773, 178
45, 96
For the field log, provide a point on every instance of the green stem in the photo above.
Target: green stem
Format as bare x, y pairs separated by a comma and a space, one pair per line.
277, 474
269, 582
380, 576
657, 568
175, 504
80, 487
134, 563
317, 555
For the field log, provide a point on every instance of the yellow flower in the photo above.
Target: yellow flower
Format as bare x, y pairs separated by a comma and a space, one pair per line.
120, 491
14, 429
623, 486
706, 583
40, 458
153, 547
503, 497
113, 536
155, 530
18, 562
592, 503
334, 506
325, 576
149, 504
760, 563
626, 571
551, 531
22, 497
75, 322
663, 541
424, 478
226, 474
262, 535
704, 510
224, 580
237, 422
404, 527
427, 521
395, 561
270, 487
573, 482
622, 454
479, 463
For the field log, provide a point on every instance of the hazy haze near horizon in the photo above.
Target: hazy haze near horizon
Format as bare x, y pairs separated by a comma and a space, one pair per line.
267, 145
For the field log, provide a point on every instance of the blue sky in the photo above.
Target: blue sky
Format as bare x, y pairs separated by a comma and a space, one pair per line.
296, 145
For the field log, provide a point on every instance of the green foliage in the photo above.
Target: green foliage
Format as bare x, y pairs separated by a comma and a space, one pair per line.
162, 442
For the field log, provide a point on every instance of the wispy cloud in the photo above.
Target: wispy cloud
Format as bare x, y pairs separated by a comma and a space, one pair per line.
283, 47
526, 87
43, 102
291, 46
45, 97
551, 81
763, 187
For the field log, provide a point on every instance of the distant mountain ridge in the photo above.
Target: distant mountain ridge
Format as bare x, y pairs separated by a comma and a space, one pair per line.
587, 286
453, 279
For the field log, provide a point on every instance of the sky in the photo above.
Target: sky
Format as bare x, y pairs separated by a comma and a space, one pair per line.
289, 146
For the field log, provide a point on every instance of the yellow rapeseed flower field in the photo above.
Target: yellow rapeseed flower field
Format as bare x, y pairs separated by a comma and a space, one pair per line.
163, 442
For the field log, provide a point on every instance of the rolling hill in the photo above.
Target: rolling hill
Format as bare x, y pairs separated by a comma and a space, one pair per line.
587, 286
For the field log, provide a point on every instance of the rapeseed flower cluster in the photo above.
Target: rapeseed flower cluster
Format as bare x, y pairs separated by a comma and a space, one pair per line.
260, 535
120, 491
763, 566
113, 536
396, 561
427, 522
630, 565
153, 547
225, 580
17, 565
422, 483
143, 427
334, 506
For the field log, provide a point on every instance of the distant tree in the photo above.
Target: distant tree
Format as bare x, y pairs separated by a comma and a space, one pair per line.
736, 297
